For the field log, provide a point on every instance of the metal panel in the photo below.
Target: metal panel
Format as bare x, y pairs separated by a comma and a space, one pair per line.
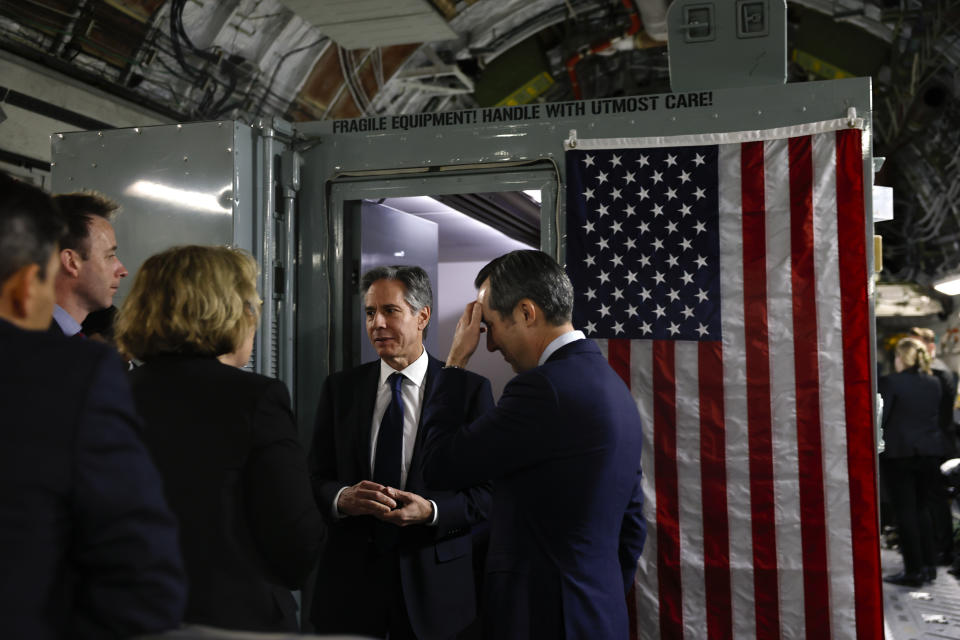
727, 44
360, 24
175, 184
209, 183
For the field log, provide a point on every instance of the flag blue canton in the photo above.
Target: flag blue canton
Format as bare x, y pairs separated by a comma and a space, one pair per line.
643, 248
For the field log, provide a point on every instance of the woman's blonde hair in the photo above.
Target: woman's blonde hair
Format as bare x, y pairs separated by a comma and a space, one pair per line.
190, 300
913, 354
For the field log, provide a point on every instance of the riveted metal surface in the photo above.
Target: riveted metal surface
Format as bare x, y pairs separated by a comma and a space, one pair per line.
175, 184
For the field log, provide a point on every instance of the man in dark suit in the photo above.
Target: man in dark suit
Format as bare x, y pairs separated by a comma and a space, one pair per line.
90, 270
398, 559
562, 448
88, 548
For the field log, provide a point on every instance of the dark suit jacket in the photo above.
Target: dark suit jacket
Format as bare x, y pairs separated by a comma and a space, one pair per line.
55, 329
88, 547
562, 448
948, 394
436, 569
236, 476
911, 415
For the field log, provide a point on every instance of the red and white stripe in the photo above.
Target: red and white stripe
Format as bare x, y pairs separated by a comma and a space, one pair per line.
759, 453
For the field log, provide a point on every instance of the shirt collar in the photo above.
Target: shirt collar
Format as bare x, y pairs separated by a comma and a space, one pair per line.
68, 325
560, 341
415, 371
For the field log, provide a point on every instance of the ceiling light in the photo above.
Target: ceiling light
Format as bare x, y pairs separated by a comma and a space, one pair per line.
195, 200
534, 195
949, 285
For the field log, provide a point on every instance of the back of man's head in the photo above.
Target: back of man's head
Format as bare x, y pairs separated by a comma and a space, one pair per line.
528, 274
30, 227
78, 209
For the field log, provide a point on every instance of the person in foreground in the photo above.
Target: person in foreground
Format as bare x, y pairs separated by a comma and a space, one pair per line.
224, 439
562, 448
399, 562
88, 547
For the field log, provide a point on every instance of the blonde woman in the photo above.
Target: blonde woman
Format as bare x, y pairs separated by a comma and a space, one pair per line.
224, 439
910, 462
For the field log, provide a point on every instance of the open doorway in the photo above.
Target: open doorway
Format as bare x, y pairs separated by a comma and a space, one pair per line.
467, 231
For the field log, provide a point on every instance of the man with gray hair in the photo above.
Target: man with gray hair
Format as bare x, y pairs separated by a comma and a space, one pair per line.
398, 561
562, 449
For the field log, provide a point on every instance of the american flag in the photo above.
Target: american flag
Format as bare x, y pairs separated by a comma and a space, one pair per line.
726, 278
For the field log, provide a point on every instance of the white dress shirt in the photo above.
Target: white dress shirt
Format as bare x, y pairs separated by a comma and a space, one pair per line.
412, 390
560, 341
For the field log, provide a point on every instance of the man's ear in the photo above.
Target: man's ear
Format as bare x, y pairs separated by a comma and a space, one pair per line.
70, 262
528, 311
423, 318
20, 290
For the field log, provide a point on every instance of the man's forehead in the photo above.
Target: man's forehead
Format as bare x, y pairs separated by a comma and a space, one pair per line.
102, 230
483, 293
385, 292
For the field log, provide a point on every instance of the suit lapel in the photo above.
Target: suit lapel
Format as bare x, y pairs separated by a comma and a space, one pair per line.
364, 400
430, 383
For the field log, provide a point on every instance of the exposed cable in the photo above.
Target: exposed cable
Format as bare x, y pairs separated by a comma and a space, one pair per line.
276, 69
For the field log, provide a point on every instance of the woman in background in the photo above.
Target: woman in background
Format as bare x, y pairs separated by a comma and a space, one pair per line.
224, 439
910, 461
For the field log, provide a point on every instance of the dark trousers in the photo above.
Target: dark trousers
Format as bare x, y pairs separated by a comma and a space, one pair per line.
912, 485
388, 614
942, 518
385, 610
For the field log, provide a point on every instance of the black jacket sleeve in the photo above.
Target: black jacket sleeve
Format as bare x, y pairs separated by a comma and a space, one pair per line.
286, 525
324, 476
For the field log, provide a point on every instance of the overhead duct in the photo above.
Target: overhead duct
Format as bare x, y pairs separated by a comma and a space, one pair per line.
361, 24
653, 14
512, 213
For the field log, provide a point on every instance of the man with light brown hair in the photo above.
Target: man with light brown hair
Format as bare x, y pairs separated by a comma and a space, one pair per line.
90, 270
